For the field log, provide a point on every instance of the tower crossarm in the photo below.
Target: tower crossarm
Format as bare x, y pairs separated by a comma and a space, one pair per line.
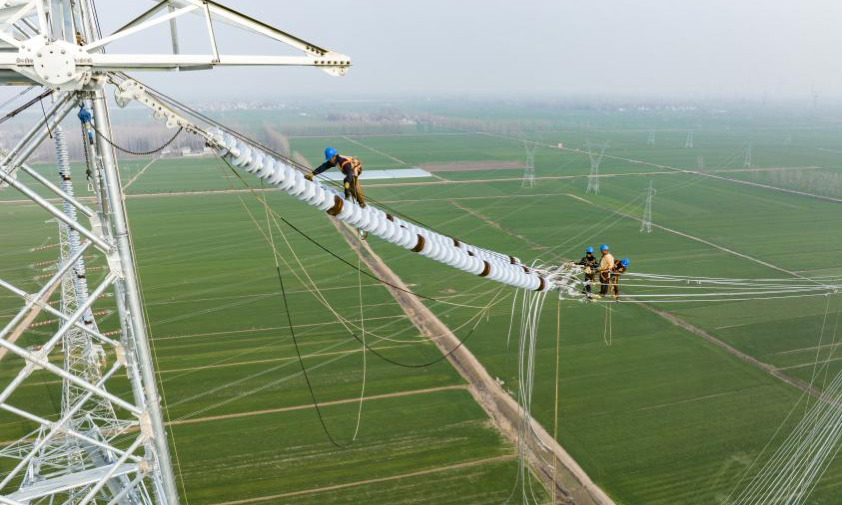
31, 51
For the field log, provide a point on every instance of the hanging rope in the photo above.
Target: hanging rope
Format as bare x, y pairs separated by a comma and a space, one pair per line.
555, 408
362, 332
608, 331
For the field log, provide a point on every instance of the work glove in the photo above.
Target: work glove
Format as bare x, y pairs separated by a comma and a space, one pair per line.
309, 176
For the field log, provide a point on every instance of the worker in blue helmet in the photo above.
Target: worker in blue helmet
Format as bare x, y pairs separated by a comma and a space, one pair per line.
620, 268
351, 167
606, 266
589, 265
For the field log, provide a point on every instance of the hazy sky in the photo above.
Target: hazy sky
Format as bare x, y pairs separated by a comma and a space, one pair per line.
650, 48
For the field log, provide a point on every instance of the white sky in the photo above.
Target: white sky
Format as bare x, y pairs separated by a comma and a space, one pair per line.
645, 48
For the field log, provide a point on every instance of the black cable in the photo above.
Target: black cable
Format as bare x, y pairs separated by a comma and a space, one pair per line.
46, 121
139, 153
25, 106
325, 249
356, 337
412, 365
301, 362
343, 260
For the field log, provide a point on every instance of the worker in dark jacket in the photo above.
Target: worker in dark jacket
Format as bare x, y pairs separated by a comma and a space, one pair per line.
589, 264
351, 167
620, 268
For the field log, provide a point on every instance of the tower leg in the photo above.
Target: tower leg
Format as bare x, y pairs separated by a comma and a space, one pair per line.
129, 284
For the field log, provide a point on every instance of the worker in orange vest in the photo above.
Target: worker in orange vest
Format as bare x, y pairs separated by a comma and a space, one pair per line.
606, 266
351, 167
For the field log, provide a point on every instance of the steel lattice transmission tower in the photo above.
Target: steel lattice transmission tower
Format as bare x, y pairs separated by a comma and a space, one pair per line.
747, 162
596, 160
700, 162
651, 140
646, 224
688, 144
102, 446
529, 169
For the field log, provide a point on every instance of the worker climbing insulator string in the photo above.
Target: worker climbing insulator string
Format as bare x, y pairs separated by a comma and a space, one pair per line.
351, 168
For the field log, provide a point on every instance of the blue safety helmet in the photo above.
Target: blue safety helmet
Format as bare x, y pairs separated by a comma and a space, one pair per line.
589, 250
603, 247
330, 153
625, 262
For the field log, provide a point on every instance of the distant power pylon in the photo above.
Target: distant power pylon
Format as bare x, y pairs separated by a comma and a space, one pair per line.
651, 140
596, 159
529, 171
788, 140
646, 224
700, 162
688, 144
747, 162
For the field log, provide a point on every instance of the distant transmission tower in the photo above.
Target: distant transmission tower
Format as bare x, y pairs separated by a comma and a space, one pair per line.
788, 140
529, 171
688, 144
646, 224
596, 160
651, 140
747, 162
700, 162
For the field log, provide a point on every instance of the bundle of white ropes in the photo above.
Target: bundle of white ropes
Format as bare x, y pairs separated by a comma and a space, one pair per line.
659, 288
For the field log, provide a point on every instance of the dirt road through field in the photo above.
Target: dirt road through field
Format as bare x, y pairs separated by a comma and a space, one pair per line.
549, 461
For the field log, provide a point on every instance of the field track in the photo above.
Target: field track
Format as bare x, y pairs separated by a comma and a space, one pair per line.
381, 153
322, 404
141, 172
27, 320
554, 466
775, 372
336, 487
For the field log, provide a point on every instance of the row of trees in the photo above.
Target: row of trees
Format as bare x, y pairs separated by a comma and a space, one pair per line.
818, 182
